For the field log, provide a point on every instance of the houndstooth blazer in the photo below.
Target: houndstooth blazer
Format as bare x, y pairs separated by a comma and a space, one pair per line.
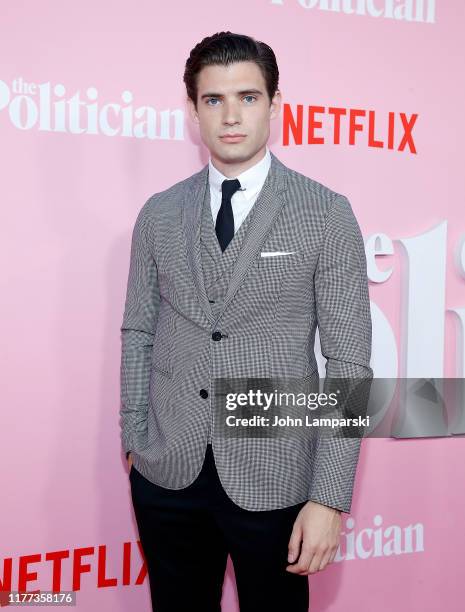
174, 347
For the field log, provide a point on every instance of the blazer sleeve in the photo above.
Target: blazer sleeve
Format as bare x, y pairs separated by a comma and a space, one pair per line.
138, 331
344, 323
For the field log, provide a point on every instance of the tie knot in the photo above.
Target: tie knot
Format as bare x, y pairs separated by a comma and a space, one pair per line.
229, 187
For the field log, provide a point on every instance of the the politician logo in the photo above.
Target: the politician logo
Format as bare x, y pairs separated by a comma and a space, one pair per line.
51, 108
417, 11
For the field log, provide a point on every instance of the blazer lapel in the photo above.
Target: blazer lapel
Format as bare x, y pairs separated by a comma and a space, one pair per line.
269, 202
191, 219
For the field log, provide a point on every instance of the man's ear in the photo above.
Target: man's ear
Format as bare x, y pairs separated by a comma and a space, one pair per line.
275, 106
192, 111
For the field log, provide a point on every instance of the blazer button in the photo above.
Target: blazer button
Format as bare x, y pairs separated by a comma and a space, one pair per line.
203, 393
216, 335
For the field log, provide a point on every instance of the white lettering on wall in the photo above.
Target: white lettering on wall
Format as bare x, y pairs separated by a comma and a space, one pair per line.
48, 108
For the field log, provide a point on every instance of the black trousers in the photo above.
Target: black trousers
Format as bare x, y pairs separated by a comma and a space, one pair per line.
187, 534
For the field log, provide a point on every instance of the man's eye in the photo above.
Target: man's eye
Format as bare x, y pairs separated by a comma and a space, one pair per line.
254, 97
212, 100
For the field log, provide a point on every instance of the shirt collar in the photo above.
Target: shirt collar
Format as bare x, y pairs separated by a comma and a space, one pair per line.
250, 179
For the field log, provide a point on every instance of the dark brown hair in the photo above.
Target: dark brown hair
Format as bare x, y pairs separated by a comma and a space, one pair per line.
225, 48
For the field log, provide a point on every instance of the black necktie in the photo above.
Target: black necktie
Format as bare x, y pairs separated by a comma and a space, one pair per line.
225, 220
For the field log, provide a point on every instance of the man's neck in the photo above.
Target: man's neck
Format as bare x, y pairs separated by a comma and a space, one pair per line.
232, 170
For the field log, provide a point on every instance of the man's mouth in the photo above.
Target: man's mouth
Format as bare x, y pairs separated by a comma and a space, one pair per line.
232, 137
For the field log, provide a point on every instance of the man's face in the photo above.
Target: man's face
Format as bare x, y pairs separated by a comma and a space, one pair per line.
233, 100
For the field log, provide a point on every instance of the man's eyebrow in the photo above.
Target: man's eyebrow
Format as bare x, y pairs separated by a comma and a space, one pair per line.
241, 93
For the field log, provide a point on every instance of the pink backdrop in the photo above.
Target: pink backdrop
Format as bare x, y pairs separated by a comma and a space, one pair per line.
75, 173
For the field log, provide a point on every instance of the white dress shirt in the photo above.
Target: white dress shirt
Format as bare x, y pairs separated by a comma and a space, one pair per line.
251, 181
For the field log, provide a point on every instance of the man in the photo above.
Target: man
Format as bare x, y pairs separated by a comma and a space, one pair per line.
231, 270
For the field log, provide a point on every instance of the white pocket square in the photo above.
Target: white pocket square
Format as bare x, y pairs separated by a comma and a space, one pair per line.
275, 253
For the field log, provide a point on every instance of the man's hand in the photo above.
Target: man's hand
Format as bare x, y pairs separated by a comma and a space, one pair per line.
318, 527
129, 461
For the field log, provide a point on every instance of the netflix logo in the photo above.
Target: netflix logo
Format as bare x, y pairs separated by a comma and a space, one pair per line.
66, 570
319, 125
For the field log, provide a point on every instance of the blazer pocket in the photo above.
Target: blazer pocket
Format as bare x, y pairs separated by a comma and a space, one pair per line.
279, 262
162, 368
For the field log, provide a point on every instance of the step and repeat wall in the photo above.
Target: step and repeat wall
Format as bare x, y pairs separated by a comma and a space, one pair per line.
93, 120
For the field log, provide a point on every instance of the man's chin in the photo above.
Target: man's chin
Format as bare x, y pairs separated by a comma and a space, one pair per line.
235, 152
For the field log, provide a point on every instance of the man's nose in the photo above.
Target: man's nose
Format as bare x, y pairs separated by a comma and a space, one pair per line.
231, 113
